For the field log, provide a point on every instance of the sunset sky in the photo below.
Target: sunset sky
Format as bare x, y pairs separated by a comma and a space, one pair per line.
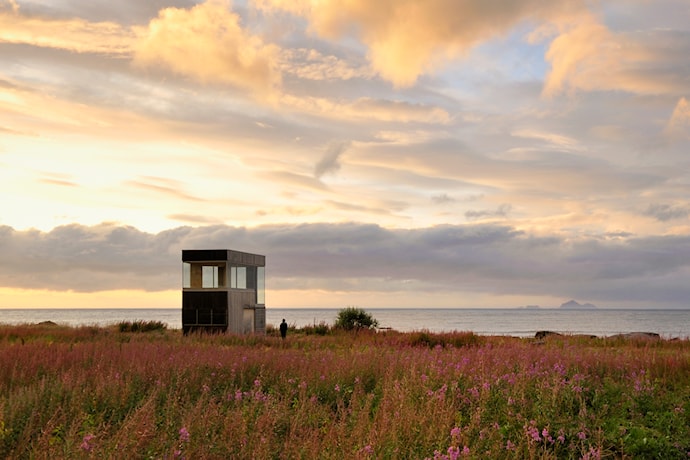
389, 153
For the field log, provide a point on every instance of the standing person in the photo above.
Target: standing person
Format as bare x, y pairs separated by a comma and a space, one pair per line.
283, 329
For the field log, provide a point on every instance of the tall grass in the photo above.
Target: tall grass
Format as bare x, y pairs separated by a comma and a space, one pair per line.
71, 393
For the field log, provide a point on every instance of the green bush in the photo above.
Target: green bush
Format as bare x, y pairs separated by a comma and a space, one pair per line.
141, 326
316, 329
353, 318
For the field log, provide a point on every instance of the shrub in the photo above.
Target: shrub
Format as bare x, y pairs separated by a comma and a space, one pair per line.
318, 329
141, 326
350, 318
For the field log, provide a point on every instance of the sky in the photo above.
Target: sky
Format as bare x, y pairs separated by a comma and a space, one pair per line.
396, 153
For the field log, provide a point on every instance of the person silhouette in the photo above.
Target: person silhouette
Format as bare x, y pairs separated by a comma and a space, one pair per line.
283, 329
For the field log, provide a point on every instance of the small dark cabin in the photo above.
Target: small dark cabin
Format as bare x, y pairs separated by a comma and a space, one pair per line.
223, 291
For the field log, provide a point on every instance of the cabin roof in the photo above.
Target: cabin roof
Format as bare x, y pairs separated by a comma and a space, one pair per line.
229, 255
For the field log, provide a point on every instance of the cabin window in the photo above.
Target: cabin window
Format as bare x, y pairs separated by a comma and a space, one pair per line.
203, 276
260, 285
209, 276
238, 277
186, 275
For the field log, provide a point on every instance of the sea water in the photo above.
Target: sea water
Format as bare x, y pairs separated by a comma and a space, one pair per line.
484, 321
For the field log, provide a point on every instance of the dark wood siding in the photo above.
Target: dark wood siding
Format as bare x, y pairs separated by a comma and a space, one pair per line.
205, 308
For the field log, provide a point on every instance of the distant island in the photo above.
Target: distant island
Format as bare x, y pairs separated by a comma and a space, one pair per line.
571, 304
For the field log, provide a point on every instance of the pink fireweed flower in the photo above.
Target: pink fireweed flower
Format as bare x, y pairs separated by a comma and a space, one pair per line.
509, 445
184, 434
533, 431
86, 442
368, 450
546, 435
561, 436
337, 388
455, 432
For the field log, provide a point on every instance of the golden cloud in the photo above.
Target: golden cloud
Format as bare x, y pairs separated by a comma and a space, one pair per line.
368, 109
407, 38
207, 42
585, 55
74, 35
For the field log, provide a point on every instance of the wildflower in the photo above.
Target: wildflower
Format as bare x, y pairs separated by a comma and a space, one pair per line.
533, 431
546, 435
337, 388
509, 445
257, 383
465, 450
582, 435
86, 442
453, 453
184, 434
368, 449
455, 432
561, 436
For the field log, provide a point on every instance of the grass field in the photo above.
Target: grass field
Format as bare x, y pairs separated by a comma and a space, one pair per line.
143, 392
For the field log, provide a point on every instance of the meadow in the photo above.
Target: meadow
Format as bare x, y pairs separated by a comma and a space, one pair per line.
137, 392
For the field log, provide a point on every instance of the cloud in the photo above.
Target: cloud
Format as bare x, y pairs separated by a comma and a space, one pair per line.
330, 163
76, 35
367, 109
443, 198
207, 42
407, 38
678, 125
12, 4
586, 55
494, 259
665, 212
194, 219
557, 140
59, 181
501, 212
310, 64
163, 186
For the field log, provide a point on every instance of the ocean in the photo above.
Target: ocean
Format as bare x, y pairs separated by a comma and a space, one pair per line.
483, 321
